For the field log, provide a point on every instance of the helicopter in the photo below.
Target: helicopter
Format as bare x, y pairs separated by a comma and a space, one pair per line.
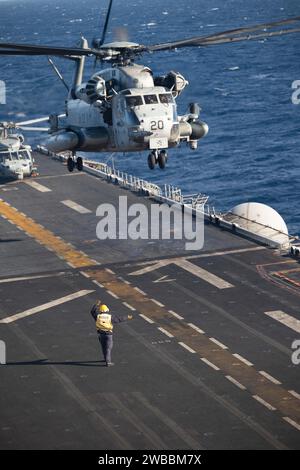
123, 107
16, 159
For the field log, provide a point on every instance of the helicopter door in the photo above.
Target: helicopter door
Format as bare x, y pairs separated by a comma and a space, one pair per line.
119, 120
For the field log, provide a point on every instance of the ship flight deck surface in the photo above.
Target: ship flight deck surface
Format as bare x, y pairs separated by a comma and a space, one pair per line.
205, 364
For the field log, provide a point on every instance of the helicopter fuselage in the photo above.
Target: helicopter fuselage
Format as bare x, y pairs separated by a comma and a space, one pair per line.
125, 109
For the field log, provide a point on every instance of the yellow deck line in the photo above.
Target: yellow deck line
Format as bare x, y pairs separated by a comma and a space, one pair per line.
45, 237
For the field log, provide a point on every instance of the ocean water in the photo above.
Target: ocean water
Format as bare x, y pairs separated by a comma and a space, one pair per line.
252, 150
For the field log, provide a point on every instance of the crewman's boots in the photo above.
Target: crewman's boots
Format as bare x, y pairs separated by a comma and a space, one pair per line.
109, 364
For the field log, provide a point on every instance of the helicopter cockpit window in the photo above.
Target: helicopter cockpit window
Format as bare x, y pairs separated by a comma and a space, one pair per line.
150, 99
166, 98
133, 101
23, 156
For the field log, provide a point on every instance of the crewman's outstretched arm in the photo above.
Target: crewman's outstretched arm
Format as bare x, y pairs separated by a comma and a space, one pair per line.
120, 319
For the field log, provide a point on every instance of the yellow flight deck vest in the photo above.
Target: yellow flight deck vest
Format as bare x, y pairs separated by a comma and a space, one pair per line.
104, 322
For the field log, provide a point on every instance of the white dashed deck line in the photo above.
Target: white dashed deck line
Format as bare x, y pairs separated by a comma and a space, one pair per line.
292, 422
113, 294
38, 186
98, 284
76, 207
269, 377
84, 274
295, 394
185, 346
179, 317
264, 403
235, 382
109, 271
222, 346
129, 306
210, 364
285, 319
46, 306
146, 318
157, 302
140, 290
241, 358
165, 332
196, 328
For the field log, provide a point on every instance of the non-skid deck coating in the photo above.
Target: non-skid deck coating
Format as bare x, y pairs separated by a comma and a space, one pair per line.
205, 364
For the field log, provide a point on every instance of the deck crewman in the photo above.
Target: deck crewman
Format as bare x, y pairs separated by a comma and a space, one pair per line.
105, 324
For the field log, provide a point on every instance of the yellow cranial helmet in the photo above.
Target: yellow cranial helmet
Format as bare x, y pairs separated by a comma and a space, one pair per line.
104, 308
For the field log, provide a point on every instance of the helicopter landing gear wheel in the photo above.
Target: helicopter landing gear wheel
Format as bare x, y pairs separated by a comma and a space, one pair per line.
151, 160
79, 164
70, 164
162, 159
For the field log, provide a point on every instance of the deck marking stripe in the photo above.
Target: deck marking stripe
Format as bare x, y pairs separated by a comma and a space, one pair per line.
129, 306
112, 294
189, 267
109, 271
46, 237
76, 207
185, 346
28, 278
203, 274
241, 358
46, 306
146, 318
165, 332
196, 328
292, 422
175, 315
140, 290
210, 364
295, 394
222, 346
38, 186
99, 284
235, 382
263, 402
285, 319
269, 377
157, 302
84, 274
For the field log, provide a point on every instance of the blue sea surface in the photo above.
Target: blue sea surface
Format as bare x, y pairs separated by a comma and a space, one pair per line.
252, 150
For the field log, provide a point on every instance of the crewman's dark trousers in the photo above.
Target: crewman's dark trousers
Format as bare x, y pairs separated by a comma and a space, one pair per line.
106, 341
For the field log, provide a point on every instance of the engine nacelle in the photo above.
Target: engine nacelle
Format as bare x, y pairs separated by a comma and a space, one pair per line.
93, 90
192, 131
174, 81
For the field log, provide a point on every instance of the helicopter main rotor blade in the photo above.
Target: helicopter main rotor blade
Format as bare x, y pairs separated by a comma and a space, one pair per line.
228, 36
31, 49
106, 23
